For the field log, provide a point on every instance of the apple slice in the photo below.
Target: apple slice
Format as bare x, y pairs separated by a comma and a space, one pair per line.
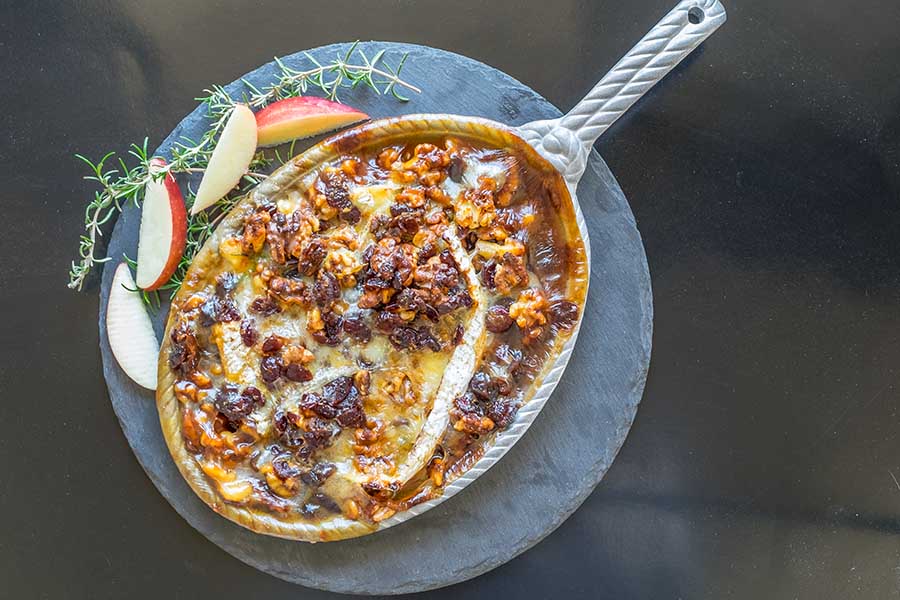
163, 231
230, 158
302, 117
130, 332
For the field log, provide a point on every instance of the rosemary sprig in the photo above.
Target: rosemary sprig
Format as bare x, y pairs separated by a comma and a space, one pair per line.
120, 183
343, 72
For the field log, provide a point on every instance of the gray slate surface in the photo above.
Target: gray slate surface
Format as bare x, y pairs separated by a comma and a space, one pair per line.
546, 476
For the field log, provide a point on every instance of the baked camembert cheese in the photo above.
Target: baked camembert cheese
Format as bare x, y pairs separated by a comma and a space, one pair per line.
361, 325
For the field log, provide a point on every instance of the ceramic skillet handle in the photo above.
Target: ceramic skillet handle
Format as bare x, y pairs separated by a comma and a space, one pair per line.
566, 142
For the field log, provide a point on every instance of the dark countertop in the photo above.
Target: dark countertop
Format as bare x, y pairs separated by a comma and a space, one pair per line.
764, 176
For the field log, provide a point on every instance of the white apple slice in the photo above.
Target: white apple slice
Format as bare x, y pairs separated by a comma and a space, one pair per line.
302, 117
130, 332
163, 231
230, 158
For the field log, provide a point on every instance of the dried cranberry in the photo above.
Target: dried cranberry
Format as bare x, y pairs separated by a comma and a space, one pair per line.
387, 322
468, 404
288, 430
272, 344
330, 334
318, 474
404, 337
458, 335
488, 271
355, 326
297, 372
336, 390
185, 353
284, 469
351, 216
501, 412
311, 257
235, 405
326, 289
497, 319
484, 386
271, 367
265, 305
350, 410
225, 283
564, 313
248, 333
457, 167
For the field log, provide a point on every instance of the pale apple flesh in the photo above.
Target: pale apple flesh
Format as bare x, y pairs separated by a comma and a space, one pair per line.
230, 159
302, 117
130, 331
163, 231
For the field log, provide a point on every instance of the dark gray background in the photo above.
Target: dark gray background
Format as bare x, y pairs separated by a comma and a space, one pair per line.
764, 177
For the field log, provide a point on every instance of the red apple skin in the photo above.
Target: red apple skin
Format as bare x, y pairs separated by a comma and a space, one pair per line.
302, 117
179, 226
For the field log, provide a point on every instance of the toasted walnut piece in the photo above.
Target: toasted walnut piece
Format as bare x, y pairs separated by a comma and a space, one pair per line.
529, 312
475, 207
361, 381
511, 184
387, 157
472, 423
351, 510
217, 471
353, 168
342, 263
290, 291
185, 392
232, 250
254, 236
413, 197
297, 354
382, 513
314, 320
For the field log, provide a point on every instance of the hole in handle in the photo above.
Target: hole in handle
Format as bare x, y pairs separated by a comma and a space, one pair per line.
696, 15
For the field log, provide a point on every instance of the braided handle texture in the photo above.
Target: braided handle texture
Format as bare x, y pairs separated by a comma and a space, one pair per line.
566, 142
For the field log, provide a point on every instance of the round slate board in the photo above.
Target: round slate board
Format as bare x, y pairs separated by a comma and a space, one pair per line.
547, 475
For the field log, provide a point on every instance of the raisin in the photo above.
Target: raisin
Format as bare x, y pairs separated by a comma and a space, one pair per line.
271, 368
356, 327
351, 410
488, 272
272, 344
248, 333
497, 319
297, 372
265, 305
